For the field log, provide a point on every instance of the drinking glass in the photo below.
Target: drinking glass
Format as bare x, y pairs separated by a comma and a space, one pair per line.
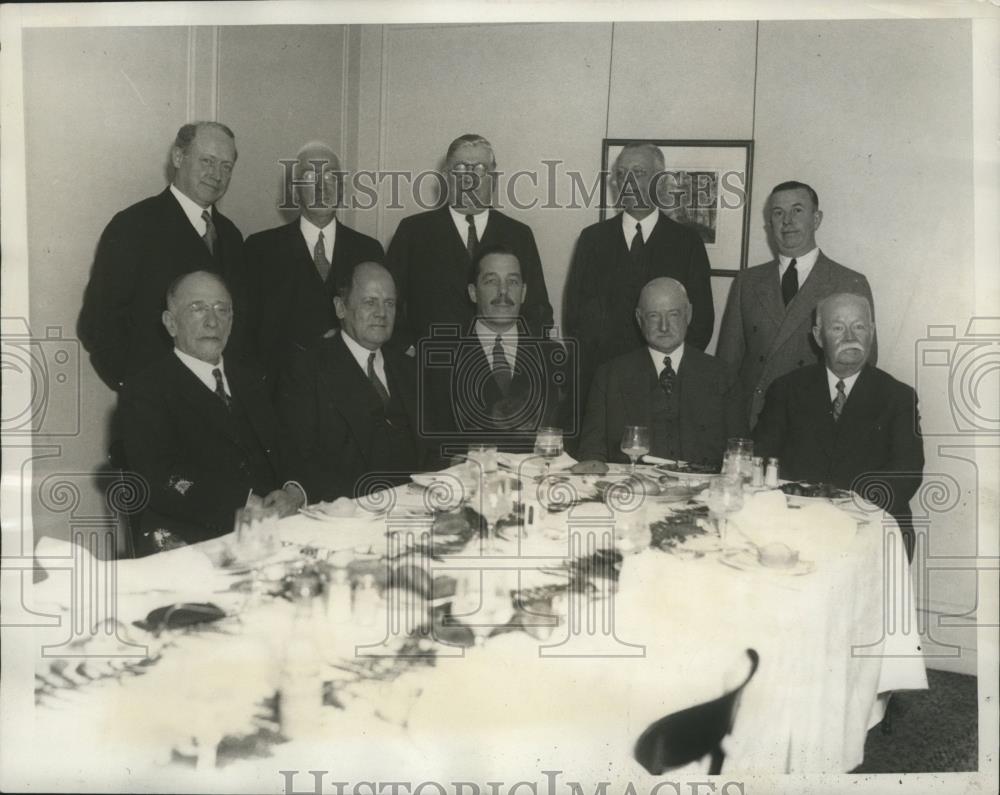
549, 444
635, 442
738, 459
725, 496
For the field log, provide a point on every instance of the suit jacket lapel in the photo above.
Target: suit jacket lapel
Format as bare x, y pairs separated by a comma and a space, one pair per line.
200, 257
819, 397
802, 306
348, 386
635, 389
201, 399
768, 290
252, 396
455, 264
861, 402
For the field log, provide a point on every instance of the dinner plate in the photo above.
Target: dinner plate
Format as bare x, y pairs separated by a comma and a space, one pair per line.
683, 474
746, 560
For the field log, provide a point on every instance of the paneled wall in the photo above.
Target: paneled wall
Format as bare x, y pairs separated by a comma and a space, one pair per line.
877, 115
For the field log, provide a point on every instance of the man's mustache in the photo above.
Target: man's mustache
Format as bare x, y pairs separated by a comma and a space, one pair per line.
503, 300
852, 346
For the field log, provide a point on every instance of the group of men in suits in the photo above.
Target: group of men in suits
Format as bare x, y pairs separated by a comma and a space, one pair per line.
375, 365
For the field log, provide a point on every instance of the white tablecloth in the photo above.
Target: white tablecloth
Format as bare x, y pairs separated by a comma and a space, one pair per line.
829, 642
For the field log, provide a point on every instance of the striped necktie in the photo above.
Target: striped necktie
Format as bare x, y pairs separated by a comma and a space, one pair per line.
319, 257
220, 390
839, 401
210, 236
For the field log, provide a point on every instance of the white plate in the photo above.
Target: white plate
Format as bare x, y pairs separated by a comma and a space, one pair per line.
746, 560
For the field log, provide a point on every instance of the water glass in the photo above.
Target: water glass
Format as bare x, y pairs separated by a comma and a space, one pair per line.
635, 442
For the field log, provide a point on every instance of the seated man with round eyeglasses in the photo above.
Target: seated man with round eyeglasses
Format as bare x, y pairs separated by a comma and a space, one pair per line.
200, 429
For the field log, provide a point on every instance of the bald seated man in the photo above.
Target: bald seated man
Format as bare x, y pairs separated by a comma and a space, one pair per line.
350, 402
293, 269
200, 429
685, 397
844, 421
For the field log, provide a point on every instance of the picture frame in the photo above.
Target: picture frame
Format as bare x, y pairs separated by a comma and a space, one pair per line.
706, 185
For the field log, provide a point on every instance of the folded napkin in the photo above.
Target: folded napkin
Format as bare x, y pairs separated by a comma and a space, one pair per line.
655, 459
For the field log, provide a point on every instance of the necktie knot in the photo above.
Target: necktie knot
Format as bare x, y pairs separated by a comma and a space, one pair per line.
471, 237
839, 400
220, 388
501, 366
376, 382
320, 258
210, 236
790, 282
637, 242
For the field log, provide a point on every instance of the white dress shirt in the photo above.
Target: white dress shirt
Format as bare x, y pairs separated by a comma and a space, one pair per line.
803, 265
832, 379
646, 224
361, 354
192, 210
311, 234
480, 220
675, 358
488, 339
203, 370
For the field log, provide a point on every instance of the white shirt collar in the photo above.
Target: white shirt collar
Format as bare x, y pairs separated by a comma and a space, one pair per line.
646, 224
191, 209
311, 234
803, 264
480, 220
361, 354
203, 370
832, 379
675, 358
488, 339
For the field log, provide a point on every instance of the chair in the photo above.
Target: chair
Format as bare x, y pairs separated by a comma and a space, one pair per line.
686, 736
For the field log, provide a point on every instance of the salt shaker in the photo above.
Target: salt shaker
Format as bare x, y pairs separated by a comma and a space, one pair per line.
757, 472
771, 477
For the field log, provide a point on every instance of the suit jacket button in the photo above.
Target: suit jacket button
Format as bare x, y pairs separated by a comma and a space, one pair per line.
760, 358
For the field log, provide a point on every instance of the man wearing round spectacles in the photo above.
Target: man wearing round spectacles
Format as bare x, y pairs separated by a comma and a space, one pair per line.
200, 429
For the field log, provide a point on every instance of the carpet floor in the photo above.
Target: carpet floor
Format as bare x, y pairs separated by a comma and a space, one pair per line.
933, 730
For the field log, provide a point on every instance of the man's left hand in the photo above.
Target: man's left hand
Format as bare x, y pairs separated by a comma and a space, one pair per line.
286, 501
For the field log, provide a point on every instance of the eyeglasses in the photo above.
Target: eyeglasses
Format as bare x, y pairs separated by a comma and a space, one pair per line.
480, 169
200, 309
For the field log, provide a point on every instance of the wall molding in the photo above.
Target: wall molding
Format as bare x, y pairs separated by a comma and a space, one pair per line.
203, 54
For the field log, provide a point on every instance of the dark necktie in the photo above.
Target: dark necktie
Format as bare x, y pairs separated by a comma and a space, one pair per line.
383, 393
210, 236
839, 401
220, 390
319, 257
471, 239
668, 377
638, 244
501, 367
789, 283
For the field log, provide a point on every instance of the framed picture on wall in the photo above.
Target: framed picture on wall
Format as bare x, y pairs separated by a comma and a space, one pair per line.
704, 185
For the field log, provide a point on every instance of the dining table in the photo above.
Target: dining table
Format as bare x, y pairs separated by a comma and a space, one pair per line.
519, 625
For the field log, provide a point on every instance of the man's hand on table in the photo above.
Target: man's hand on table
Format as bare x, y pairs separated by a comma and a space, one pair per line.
286, 501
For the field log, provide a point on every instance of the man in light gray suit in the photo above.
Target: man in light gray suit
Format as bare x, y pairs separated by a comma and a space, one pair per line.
767, 326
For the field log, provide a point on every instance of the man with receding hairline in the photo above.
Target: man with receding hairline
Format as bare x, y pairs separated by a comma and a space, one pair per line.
613, 259
293, 269
199, 427
684, 396
349, 401
430, 253
845, 422
765, 330
148, 245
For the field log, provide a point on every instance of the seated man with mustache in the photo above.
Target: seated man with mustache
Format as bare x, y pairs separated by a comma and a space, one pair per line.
498, 384
846, 422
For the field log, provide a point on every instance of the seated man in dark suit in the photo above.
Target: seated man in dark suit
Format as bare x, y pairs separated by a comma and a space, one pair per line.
845, 421
431, 251
200, 430
293, 270
498, 384
349, 402
685, 397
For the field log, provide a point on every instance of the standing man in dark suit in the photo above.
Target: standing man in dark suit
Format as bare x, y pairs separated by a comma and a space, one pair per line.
201, 430
293, 269
765, 330
350, 402
499, 383
615, 258
148, 245
846, 422
430, 254
684, 396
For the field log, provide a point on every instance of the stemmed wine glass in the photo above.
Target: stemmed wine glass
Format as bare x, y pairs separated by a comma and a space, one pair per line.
725, 496
635, 442
549, 444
